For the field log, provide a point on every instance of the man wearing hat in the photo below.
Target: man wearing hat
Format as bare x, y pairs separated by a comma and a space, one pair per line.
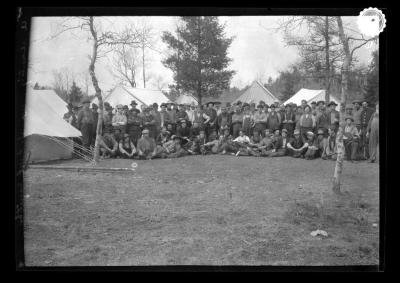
351, 139
146, 147
134, 124
274, 119
85, 123
349, 110
157, 117
265, 145
322, 118
183, 130
223, 120
247, 120
164, 116
172, 115
119, 120
314, 108
307, 123
296, 146
288, 120
181, 115
279, 143
149, 122
134, 106
303, 103
260, 120
107, 118
333, 115
212, 123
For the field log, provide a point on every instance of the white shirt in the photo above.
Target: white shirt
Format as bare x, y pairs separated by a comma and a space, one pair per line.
244, 139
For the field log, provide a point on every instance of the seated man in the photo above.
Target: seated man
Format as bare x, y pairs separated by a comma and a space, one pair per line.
170, 128
322, 142
126, 147
163, 136
312, 143
178, 150
330, 151
265, 145
146, 146
296, 147
198, 143
225, 140
108, 146
183, 131
243, 143
211, 146
279, 144
351, 139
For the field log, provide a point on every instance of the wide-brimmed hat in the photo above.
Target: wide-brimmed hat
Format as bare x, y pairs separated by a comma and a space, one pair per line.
356, 101
145, 131
260, 106
133, 102
332, 103
320, 131
309, 133
313, 102
349, 117
321, 102
284, 130
296, 132
272, 106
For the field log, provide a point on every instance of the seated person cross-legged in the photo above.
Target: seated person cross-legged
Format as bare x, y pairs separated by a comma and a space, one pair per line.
108, 146
126, 147
296, 147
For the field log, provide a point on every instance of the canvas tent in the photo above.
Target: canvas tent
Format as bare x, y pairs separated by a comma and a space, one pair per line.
124, 95
186, 99
43, 127
255, 93
309, 95
50, 98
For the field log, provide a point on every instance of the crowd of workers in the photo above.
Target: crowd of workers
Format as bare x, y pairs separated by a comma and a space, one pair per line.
240, 129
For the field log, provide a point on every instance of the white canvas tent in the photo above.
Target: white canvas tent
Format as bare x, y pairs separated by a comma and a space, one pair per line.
255, 93
309, 95
50, 98
124, 95
186, 99
42, 125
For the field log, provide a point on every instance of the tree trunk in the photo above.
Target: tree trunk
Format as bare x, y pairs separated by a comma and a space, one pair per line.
327, 63
96, 153
344, 84
144, 74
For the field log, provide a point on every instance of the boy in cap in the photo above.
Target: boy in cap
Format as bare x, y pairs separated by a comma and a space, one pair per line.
85, 123
296, 147
146, 146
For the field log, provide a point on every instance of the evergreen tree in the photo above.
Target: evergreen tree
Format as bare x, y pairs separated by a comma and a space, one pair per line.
199, 58
36, 86
372, 89
75, 95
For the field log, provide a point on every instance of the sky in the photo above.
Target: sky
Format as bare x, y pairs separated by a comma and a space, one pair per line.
257, 51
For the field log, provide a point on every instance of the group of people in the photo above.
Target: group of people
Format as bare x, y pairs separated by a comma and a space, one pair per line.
240, 129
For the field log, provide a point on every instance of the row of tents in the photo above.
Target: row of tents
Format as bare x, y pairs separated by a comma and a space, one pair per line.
46, 133
257, 92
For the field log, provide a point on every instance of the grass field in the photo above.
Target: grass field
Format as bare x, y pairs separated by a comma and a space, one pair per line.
203, 210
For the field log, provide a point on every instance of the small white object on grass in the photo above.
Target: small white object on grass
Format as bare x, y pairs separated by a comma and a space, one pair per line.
375, 225
134, 165
319, 232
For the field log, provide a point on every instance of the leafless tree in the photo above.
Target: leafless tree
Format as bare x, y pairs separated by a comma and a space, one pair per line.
349, 45
104, 40
159, 82
125, 65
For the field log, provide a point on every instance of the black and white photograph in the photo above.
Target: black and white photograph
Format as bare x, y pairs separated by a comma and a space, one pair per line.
201, 140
